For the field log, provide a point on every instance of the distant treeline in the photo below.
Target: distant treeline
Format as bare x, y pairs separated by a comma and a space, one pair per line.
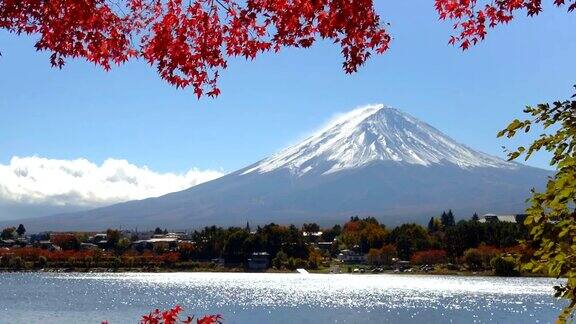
468, 242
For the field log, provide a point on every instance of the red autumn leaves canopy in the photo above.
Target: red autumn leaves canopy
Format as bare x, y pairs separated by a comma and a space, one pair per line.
190, 41
474, 17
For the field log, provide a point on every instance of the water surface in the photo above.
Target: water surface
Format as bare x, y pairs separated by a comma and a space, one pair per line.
277, 298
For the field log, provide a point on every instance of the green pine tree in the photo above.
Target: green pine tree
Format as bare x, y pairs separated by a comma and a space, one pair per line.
21, 230
431, 225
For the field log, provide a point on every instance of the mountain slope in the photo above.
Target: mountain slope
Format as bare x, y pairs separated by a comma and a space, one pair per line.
372, 161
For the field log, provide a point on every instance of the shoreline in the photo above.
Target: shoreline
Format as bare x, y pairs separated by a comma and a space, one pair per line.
453, 273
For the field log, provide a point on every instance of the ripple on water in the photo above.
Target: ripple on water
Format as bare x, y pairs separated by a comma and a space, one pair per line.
280, 297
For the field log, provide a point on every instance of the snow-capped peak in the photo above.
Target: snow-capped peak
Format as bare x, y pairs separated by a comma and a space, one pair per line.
370, 134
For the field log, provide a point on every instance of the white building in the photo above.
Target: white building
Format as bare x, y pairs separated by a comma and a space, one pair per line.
348, 256
517, 218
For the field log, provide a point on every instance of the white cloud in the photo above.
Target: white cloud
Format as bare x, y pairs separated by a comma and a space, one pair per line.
36, 180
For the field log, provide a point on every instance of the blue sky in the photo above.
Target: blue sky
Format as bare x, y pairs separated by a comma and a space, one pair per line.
130, 113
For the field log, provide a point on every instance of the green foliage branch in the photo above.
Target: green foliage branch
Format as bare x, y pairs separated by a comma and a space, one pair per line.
551, 216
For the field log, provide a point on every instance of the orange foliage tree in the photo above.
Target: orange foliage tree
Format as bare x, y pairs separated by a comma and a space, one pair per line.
66, 241
429, 257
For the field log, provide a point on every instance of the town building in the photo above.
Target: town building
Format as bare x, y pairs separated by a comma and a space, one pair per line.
400, 265
349, 256
88, 247
47, 245
312, 234
165, 243
510, 218
325, 246
99, 237
7, 243
259, 261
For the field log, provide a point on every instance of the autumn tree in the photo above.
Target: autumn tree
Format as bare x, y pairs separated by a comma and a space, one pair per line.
429, 257
473, 259
186, 250
382, 256
473, 18
480, 257
66, 241
409, 238
7, 233
365, 233
122, 245
113, 237
314, 259
190, 42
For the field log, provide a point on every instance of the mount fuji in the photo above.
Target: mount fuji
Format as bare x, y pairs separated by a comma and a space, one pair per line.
375, 161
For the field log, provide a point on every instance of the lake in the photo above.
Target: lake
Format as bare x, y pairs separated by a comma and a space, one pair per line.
276, 298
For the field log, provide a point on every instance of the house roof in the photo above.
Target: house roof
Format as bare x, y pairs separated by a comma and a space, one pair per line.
500, 218
163, 239
507, 218
312, 233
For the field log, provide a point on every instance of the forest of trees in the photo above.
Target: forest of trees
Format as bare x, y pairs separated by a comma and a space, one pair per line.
360, 234
468, 243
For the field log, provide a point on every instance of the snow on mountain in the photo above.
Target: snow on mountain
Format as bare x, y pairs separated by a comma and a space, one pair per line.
374, 133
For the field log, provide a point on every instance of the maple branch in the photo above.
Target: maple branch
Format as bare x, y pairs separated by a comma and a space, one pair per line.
186, 46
